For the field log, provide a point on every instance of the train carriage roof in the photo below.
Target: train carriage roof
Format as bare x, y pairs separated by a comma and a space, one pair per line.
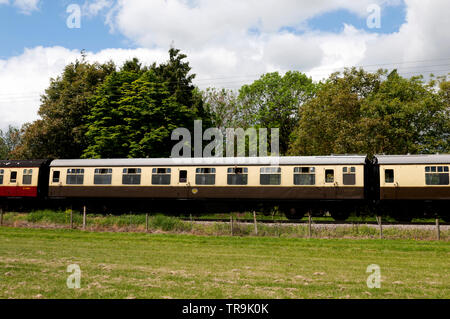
19, 163
413, 159
215, 161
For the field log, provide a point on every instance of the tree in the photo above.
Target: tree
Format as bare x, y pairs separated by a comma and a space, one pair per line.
222, 107
105, 131
405, 116
60, 132
134, 113
9, 140
274, 101
329, 121
372, 113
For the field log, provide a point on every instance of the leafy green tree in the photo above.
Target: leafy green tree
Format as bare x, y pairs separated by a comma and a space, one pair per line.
60, 132
405, 116
134, 113
9, 140
274, 101
222, 107
372, 113
106, 133
329, 123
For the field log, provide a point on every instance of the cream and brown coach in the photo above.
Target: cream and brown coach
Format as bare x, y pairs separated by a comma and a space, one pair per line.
412, 185
296, 184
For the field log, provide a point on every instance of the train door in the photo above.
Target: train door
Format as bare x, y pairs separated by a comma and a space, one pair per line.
389, 179
184, 182
330, 181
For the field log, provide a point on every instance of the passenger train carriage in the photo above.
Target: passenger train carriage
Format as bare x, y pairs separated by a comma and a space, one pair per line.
414, 184
401, 186
21, 178
230, 183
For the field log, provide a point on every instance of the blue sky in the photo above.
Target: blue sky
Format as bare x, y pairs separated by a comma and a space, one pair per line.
47, 27
228, 42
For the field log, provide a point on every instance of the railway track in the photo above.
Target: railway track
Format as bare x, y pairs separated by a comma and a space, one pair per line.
318, 222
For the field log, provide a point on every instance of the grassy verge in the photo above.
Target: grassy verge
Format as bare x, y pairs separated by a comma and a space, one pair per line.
33, 264
161, 223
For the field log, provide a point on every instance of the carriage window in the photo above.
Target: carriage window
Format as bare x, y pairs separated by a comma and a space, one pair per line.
304, 176
161, 176
27, 176
349, 175
437, 175
75, 176
270, 176
103, 176
205, 176
389, 175
2, 172
237, 176
329, 176
183, 177
131, 176
56, 176
13, 178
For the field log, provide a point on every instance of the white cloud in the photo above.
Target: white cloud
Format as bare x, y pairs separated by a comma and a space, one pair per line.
24, 78
197, 23
94, 7
231, 42
24, 6
233, 37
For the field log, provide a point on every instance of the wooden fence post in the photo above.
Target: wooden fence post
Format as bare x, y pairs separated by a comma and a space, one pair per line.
309, 225
71, 218
231, 224
146, 222
381, 226
256, 224
438, 229
84, 217
1, 216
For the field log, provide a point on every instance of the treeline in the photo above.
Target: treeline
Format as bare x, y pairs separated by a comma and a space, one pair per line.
97, 110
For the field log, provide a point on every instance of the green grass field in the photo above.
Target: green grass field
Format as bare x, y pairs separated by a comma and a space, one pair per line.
33, 264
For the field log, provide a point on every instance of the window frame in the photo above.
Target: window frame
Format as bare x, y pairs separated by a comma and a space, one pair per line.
205, 173
346, 173
56, 179
183, 180
105, 173
302, 171
273, 172
161, 173
333, 175
232, 176
77, 173
2, 176
134, 178
386, 181
11, 177
440, 173
27, 176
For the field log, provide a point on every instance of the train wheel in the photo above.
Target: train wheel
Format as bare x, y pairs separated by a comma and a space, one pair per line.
340, 215
403, 218
445, 218
293, 213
